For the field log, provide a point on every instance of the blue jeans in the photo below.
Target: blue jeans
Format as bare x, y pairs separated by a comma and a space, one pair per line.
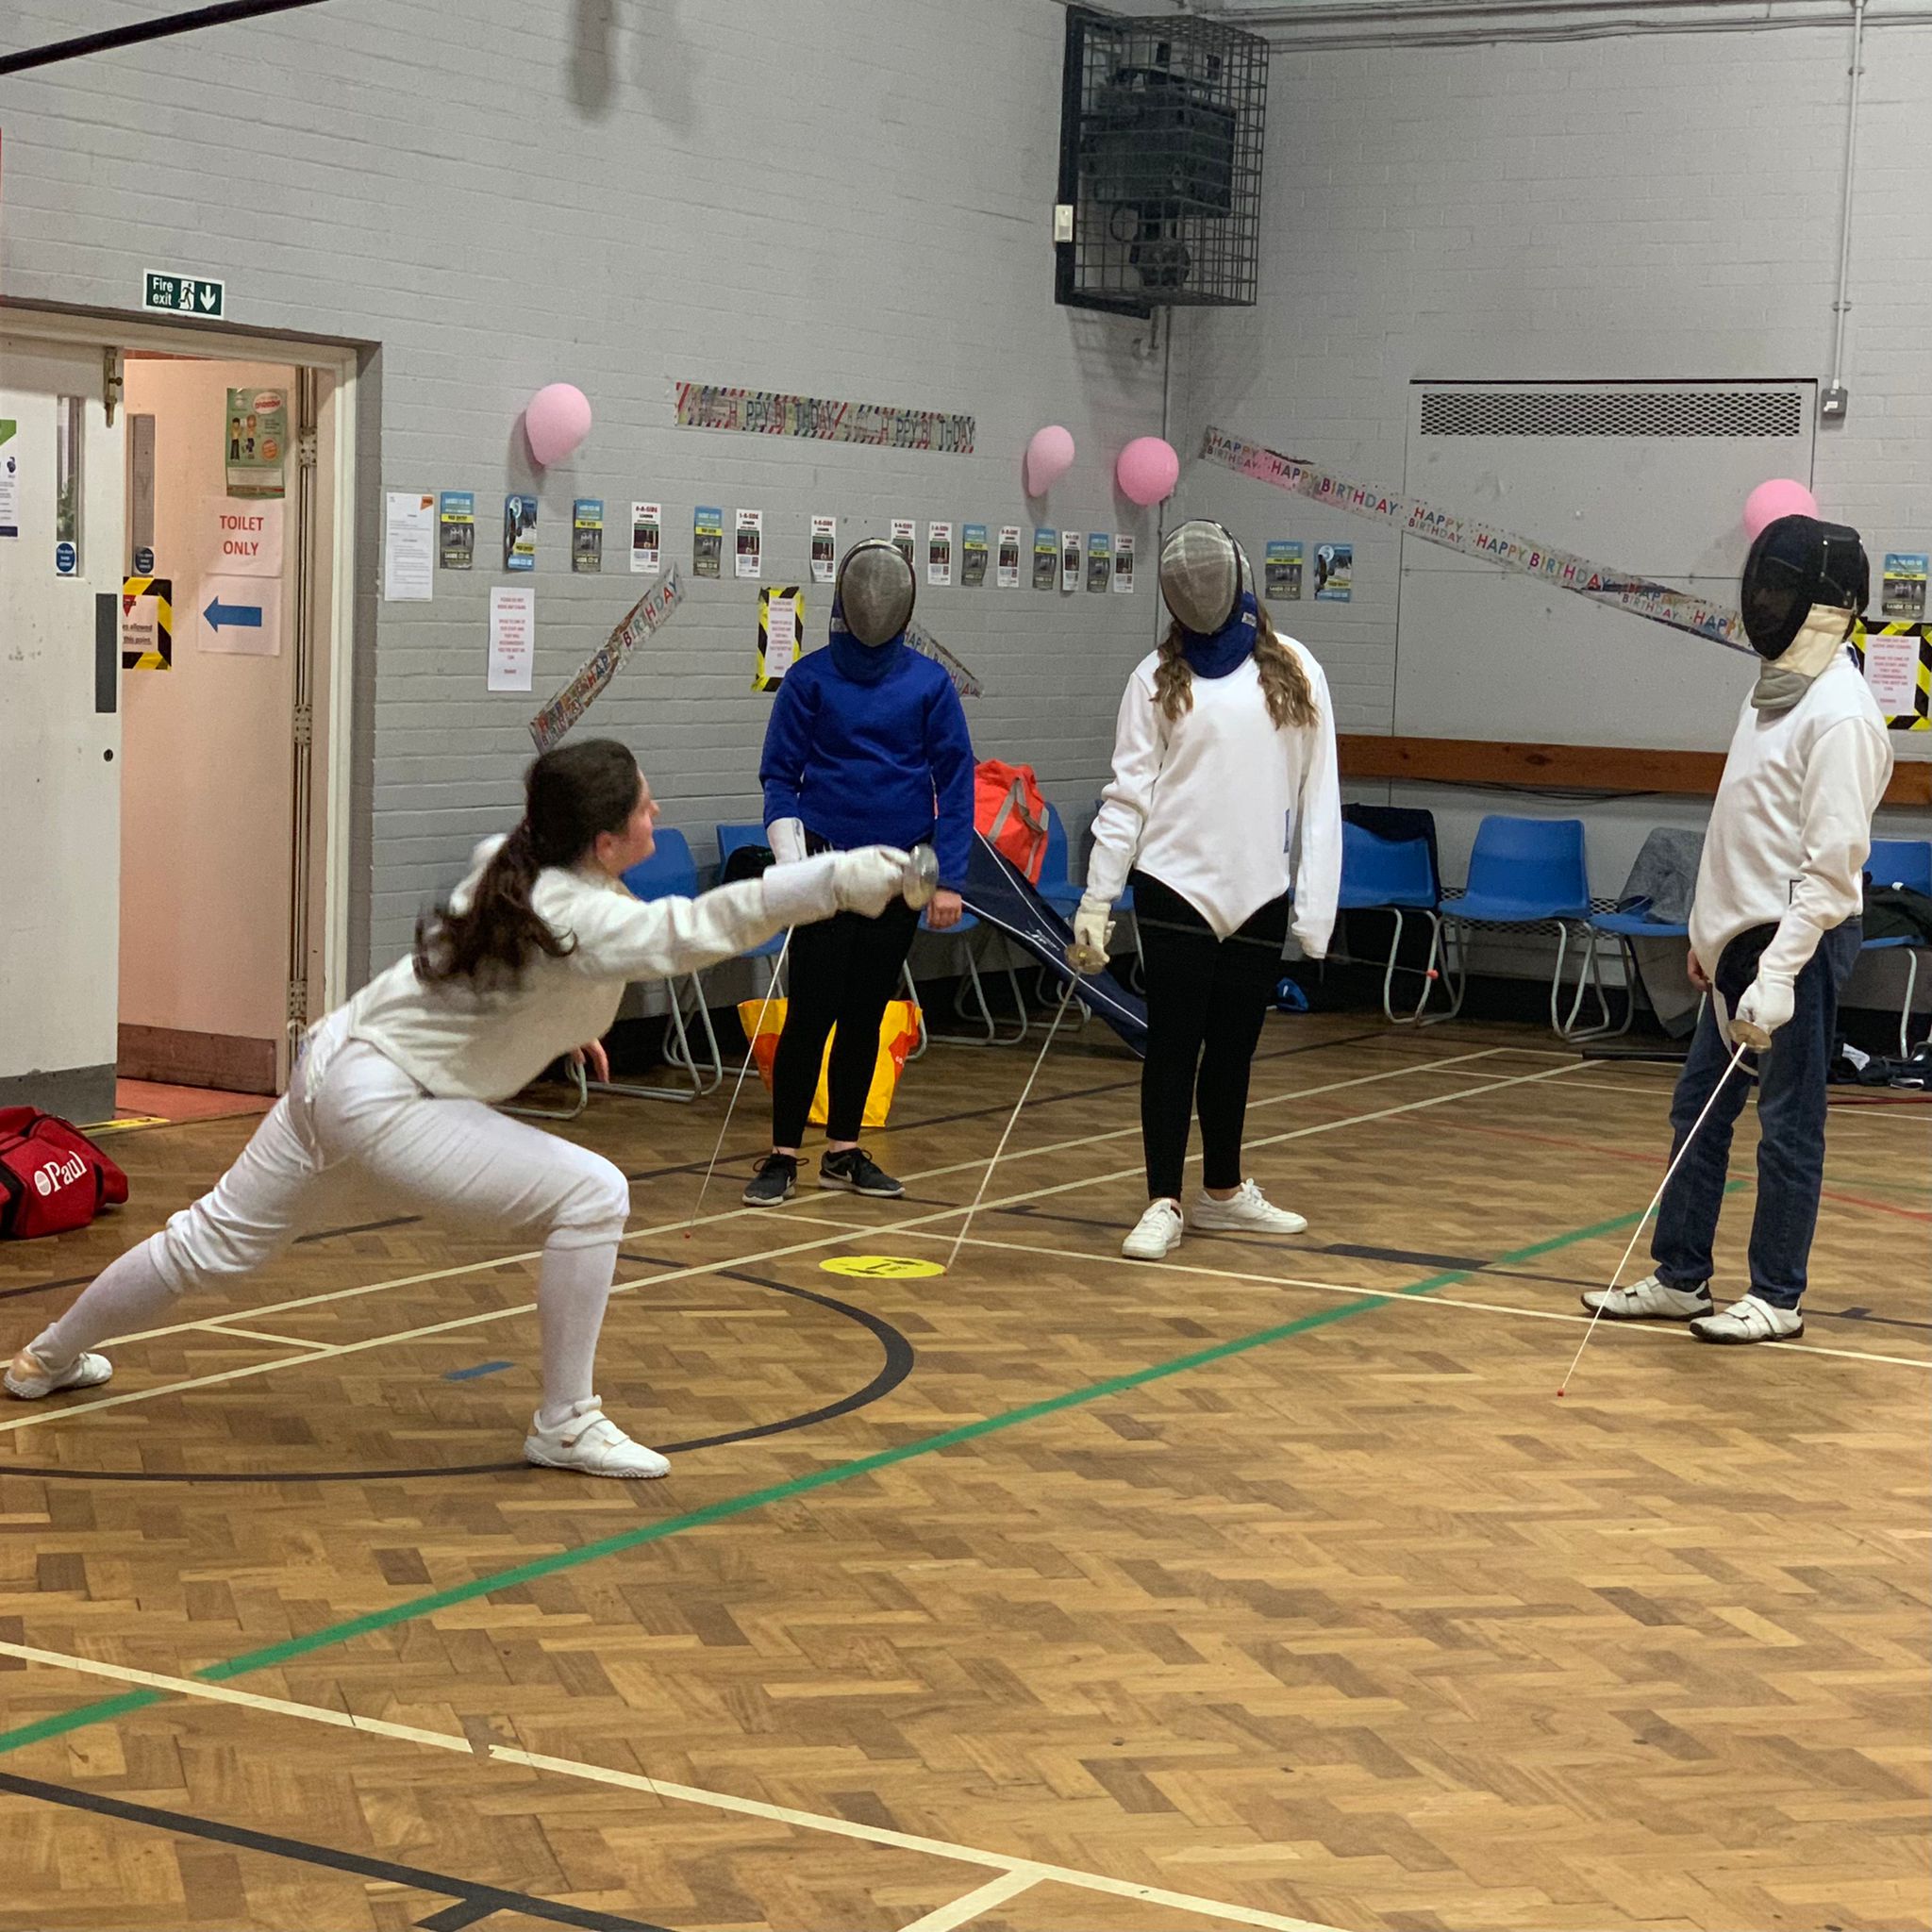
1791, 1124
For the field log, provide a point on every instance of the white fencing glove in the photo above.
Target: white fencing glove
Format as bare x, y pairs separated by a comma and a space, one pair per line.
812, 889
786, 838
1092, 929
1766, 1006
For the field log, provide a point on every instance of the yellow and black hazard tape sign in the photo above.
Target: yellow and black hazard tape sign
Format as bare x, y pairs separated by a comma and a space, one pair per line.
1920, 717
147, 624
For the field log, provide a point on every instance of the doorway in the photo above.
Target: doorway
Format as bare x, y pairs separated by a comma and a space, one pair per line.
173, 708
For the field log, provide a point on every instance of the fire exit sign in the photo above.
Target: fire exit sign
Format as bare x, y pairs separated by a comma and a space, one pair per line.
184, 294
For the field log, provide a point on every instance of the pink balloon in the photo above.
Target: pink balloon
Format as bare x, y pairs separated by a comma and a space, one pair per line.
1780, 497
1148, 470
556, 420
1049, 457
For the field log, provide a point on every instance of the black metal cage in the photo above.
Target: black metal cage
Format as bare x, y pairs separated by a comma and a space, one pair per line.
1160, 160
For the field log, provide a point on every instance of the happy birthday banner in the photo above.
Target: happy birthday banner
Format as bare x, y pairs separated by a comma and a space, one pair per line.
927, 645
767, 412
1680, 610
555, 720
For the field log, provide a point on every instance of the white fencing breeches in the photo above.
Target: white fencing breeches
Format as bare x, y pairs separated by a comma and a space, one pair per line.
349, 1106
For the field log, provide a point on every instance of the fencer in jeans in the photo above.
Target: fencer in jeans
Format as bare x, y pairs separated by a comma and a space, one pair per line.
1791, 1079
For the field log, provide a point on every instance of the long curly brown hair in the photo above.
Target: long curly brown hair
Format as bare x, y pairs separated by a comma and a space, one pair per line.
1284, 683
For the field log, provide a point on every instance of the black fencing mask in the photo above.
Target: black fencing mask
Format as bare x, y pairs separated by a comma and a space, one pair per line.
1796, 564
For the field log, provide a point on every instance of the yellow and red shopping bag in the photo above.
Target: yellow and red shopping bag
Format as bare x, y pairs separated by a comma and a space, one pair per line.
764, 1021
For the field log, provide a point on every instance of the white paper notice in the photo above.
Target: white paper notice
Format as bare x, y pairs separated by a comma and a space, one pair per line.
751, 541
513, 636
247, 535
1008, 561
646, 538
1892, 669
239, 617
9, 479
824, 544
781, 636
408, 548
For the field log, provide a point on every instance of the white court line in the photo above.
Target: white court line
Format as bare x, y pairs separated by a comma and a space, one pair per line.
327, 1351
1032, 1872
996, 1892
255, 1334
1660, 1331
678, 1228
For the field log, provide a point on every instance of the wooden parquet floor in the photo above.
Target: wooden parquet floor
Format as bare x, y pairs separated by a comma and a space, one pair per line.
1270, 1586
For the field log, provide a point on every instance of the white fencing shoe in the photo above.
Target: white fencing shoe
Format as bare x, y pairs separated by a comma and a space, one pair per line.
1649, 1300
1157, 1233
587, 1441
1249, 1213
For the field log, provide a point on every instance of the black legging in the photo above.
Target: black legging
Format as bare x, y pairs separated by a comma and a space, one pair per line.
1206, 1001
843, 971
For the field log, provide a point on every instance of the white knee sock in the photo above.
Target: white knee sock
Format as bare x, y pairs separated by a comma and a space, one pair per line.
123, 1299
571, 1294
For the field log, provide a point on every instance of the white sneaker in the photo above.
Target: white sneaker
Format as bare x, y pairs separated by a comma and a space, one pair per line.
1750, 1320
1157, 1233
1249, 1213
587, 1441
30, 1378
1649, 1300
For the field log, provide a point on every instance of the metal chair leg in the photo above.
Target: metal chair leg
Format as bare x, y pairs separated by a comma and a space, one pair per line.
579, 1080
1905, 1012
1589, 976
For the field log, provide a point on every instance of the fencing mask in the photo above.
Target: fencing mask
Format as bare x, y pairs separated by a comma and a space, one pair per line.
1201, 571
874, 591
1796, 564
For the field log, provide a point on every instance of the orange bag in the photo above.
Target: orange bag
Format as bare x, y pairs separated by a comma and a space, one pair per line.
898, 1036
1010, 813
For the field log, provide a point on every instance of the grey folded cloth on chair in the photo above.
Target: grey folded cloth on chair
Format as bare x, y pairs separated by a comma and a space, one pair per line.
1665, 875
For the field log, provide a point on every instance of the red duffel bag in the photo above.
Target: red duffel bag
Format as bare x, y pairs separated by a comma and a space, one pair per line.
52, 1176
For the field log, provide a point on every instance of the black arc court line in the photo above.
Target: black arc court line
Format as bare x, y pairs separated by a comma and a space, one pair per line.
897, 1364
473, 1900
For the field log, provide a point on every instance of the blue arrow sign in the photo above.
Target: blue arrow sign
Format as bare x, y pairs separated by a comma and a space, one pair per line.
238, 616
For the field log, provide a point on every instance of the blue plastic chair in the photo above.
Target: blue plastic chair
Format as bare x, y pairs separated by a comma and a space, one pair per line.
1902, 862
672, 873
1529, 872
1396, 876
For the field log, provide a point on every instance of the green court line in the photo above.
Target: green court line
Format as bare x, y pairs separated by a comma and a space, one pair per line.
106, 1709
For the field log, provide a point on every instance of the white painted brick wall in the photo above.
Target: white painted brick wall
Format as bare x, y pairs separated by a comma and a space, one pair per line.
826, 196
1659, 206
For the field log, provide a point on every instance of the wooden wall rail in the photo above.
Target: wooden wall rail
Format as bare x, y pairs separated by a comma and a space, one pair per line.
1569, 767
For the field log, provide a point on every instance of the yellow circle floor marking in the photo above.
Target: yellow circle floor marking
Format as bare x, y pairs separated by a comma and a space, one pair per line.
882, 1267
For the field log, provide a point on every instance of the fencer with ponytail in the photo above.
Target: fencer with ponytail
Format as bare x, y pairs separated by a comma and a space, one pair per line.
1284, 683
570, 796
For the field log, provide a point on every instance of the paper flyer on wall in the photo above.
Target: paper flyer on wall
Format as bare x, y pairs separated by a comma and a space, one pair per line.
707, 541
939, 552
576, 698
905, 534
972, 555
825, 549
1046, 557
1124, 561
751, 543
258, 441
457, 522
1099, 560
646, 538
587, 536
1009, 557
520, 533
781, 625
9, 477
1903, 594
1334, 573
1069, 560
1283, 570
1892, 669
513, 636
409, 548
